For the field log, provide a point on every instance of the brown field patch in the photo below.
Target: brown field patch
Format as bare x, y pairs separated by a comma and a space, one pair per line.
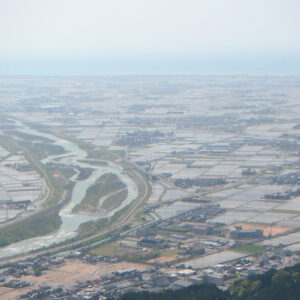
68, 274
164, 259
269, 230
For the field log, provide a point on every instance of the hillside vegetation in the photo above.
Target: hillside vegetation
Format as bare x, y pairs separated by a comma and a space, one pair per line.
273, 285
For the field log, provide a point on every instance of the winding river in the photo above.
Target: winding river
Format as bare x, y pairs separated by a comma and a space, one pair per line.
70, 222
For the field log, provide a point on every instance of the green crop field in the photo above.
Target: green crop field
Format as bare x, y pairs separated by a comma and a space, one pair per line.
250, 248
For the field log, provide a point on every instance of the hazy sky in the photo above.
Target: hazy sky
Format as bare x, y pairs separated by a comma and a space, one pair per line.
139, 36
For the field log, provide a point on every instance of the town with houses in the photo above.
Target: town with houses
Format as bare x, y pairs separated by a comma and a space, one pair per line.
116, 184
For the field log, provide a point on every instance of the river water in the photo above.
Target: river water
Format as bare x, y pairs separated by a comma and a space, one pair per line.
70, 221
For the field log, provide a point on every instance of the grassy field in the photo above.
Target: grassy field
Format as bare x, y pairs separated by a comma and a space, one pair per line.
105, 185
37, 225
164, 233
8, 144
171, 252
84, 173
250, 248
181, 229
91, 227
112, 249
140, 257
67, 171
115, 200
28, 137
43, 150
130, 253
94, 162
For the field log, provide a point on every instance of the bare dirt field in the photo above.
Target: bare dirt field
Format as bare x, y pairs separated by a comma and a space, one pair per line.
68, 274
164, 259
8, 293
269, 230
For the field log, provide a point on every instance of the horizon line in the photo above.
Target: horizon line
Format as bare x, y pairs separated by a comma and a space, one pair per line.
216, 74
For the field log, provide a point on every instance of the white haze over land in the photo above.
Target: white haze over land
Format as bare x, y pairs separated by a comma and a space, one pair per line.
63, 37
